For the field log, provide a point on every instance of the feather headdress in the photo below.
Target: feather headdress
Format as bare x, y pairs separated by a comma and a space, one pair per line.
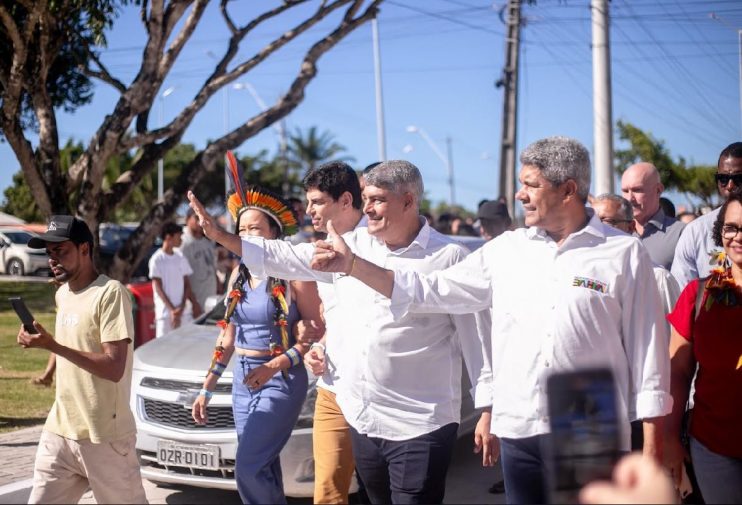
257, 198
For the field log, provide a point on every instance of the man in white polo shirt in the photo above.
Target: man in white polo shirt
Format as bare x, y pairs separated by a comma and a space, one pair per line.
565, 293
402, 394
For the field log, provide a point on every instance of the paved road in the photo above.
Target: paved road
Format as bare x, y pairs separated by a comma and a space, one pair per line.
467, 481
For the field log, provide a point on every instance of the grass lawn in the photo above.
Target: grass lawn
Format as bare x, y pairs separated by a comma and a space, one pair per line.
21, 403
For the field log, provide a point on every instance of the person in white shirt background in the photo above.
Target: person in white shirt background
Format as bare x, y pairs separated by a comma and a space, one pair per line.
169, 271
333, 192
696, 245
566, 293
201, 255
404, 396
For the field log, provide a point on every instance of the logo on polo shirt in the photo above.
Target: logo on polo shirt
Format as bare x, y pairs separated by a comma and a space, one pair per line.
585, 282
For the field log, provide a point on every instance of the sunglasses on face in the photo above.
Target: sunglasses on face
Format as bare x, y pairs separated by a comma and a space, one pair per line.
724, 179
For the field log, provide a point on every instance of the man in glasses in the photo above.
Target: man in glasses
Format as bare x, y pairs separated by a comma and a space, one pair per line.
617, 212
642, 187
691, 259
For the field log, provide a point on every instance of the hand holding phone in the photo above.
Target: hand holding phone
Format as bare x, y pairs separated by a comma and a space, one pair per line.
584, 443
24, 314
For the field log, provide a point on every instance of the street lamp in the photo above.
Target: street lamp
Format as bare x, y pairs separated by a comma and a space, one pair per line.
160, 163
447, 160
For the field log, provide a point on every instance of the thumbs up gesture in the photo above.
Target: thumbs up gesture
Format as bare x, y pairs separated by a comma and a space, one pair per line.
332, 254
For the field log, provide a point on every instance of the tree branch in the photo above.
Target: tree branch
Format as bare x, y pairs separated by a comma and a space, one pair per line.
227, 19
13, 85
216, 82
166, 62
103, 74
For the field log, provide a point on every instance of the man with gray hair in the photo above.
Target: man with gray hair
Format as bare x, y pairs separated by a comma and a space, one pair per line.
642, 187
401, 393
566, 293
618, 212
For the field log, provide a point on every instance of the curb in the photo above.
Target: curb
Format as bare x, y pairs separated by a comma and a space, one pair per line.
17, 492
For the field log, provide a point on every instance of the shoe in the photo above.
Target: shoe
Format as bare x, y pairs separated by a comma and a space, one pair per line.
40, 381
498, 487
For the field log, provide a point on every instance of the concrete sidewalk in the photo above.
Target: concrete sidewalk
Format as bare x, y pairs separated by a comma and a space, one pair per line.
467, 481
18, 451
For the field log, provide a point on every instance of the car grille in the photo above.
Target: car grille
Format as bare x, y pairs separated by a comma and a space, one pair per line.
177, 416
170, 384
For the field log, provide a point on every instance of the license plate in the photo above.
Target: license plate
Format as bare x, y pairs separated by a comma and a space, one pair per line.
192, 456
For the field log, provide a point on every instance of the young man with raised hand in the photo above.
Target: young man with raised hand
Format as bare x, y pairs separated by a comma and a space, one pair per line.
402, 429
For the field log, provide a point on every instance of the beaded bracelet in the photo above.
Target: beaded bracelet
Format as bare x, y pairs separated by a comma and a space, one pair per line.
206, 393
293, 356
218, 369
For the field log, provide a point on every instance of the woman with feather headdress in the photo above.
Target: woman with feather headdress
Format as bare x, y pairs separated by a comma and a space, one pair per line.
259, 318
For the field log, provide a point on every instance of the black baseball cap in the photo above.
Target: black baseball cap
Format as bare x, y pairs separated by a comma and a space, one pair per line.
61, 229
493, 209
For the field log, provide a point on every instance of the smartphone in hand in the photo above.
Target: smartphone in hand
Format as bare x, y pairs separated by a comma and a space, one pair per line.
584, 443
23, 313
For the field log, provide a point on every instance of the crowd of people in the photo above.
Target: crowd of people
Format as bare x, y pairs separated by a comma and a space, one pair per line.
389, 310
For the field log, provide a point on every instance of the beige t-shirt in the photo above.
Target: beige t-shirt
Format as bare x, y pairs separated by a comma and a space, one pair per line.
87, 406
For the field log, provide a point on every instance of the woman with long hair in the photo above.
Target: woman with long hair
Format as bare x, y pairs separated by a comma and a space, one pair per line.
270, 380
707, 331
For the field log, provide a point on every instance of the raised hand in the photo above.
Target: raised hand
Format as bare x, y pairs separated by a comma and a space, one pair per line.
333, 254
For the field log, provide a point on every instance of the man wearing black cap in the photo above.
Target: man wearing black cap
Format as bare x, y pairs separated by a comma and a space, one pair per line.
493, 219
89, 436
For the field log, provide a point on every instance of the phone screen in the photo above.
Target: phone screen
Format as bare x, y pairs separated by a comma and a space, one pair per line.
585, 438
23, 314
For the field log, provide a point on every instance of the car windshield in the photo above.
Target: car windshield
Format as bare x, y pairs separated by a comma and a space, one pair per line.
18, 237
216, 314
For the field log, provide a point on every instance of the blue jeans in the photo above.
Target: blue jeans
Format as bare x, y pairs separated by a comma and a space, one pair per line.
264, 419
523, 469
719, 477
405, 471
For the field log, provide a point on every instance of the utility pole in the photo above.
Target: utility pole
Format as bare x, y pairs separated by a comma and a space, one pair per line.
509, 82
380, 131
602, 114
449, 166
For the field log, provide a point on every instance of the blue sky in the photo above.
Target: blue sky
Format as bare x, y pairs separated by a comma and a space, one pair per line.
675, 74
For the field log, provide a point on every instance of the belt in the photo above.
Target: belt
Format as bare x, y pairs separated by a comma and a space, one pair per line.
251, 352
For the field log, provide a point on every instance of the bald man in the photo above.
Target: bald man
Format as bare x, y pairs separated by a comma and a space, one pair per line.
641, 185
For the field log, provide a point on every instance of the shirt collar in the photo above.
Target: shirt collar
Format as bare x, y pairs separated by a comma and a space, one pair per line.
658, 220
594, 227
420, 241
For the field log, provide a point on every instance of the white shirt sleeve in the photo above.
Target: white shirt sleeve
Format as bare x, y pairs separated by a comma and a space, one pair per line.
281, 259
684, 262
483, 389
462, 288
471, 346
154, 266
645, 339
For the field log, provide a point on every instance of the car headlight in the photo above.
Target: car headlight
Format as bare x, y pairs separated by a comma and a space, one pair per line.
306, 416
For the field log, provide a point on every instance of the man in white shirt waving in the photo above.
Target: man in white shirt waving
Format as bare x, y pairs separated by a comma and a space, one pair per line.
401, 393
565, 293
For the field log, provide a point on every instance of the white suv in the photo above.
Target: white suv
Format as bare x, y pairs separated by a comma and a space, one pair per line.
16, 258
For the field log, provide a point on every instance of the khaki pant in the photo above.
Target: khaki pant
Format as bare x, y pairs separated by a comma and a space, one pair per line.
333, 453
65, 469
